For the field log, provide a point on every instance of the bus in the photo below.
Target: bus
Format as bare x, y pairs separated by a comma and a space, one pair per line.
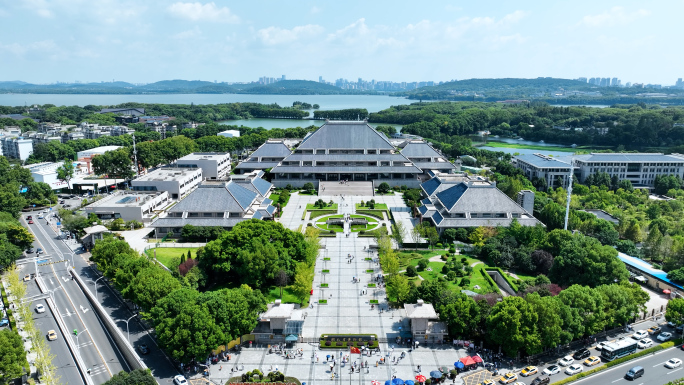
618, 349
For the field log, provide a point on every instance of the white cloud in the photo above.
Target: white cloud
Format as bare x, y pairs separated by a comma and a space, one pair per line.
315, 10
203, 12
189, 34
275, 35
612, 17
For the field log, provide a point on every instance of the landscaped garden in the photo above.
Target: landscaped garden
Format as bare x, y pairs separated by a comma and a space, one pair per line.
171, 256
321, 223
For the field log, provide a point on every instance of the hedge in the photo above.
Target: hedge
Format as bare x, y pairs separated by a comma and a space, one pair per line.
490, 280
505, 276
619, 361
372, 213
320, 213
287, 380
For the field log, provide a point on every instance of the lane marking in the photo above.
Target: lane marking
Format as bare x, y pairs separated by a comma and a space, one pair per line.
619, 379
676, 370
662, 363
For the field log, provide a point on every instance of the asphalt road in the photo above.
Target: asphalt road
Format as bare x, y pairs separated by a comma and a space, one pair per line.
95, 346
162, 368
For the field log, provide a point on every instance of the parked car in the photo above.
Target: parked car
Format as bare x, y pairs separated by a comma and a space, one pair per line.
51, 336
679, 329
551, 370
654, 330
40, 308
673, 363
573, 369
672, 324
29, 251
487, 382
581, 354
645, 343
591, 361
4, 322
143, 349
567, 360
664, 336
640, 334
541, 381
528, 371
180, 380
508, 378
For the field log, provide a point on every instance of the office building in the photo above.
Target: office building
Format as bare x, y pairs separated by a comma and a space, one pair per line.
639, 168
178, 182
130, 205
553, 171
214, 165
229, 133
46, 172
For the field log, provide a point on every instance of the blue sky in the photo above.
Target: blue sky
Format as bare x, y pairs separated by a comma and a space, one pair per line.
150, 40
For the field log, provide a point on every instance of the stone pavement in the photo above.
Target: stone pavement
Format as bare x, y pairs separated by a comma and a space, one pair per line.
348, 311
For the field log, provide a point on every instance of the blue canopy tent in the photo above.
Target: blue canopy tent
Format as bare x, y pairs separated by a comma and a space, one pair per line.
409, 382
436, 374
459, 365
398, 381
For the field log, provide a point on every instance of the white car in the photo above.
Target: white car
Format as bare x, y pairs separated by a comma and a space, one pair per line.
640, 335
665, 336
551, 370
573, 369
565, 361
40, 308
40, 216
673, 363
646, 342
600, 345
180, 380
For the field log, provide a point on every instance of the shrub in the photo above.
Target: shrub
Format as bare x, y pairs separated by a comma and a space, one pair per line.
411, 271
439, 245
445, 269
452, 249
423, 263
464, 260
384, 188
328, 343
309, 224
445, 257
451, 276
465, 282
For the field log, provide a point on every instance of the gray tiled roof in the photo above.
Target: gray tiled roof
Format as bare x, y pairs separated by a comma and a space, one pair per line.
542, 161
486, 222
345, 169
271, 150
434, 165
343, 157
430, 187
346, 134
216, 198
477, 197
242, 195
420, 149
257, 185
200, 222
255, 165
630, 157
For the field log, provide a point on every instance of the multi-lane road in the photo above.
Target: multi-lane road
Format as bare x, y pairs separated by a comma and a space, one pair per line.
104, 359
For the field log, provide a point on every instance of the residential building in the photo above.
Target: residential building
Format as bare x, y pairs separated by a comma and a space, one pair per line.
229, 133
46, 172
472, 203
214, 165
178, 182
553, 171
639, 168
129, 205
16, 147
17, 117
222, 204
424, 321
268, 155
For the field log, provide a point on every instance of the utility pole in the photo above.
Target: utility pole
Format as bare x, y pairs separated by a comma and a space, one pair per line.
567, 205
135, 157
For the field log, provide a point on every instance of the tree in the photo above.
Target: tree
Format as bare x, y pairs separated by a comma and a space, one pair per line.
398, 287
135, 377
431, 234
586, 309
13, 362
542, 260
512, 324
633, 232
303, 279
653, 241
16, 234
583, 260
398, 232
309, 187
415, 236
676, 275
384, 188
549, 321
462, 316
9, 253
281, 280
65, 172
675, 311
626, 185
149, 286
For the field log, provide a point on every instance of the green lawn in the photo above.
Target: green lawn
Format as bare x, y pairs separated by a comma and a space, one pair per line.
310, 206
476, 278
167, 255
542, 148
378, 206
288, 297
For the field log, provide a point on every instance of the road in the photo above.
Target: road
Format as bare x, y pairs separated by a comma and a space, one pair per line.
95, 346
162, 369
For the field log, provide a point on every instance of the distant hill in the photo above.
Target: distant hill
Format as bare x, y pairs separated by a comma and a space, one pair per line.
293, 87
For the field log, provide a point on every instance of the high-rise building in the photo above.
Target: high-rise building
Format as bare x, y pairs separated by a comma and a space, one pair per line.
283, 77
582, 79
320, 79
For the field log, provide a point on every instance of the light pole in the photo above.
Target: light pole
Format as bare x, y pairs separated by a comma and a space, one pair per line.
52, 293
78, 334
95, 282
128, 334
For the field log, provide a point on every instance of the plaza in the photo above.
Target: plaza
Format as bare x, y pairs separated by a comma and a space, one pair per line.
347, 311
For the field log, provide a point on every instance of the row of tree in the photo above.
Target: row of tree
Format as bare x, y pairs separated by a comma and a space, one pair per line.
346, 114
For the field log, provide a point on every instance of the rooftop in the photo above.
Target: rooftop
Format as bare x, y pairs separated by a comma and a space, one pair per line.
278, 310
542, 161
420, 310
646, 268
205, 156
271, 149
346, 135
167, 174
127, 199
102, 149
630, 157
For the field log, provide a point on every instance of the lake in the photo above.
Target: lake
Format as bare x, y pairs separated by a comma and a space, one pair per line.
288, 123
526, 151
373, 103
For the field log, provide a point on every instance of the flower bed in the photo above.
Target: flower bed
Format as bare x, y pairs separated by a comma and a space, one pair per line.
371, 285
322, 301
326, 259
325, 271
344, 341
324, 285
374, 301
370, 271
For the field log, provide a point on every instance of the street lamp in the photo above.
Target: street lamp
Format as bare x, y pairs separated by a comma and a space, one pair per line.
52, 293
95, 282
128, 334
78, 334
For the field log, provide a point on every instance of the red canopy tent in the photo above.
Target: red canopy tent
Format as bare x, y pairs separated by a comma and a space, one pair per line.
467, 361
477, 359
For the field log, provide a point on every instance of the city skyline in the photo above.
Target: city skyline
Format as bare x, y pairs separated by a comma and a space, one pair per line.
69, 40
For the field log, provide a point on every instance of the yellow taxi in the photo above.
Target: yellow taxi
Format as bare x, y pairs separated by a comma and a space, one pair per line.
508, 378
530, 370
52, 335
591, 361
487, 382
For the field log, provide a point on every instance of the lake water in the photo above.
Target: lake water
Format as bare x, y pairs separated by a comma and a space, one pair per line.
525, 151
373, 103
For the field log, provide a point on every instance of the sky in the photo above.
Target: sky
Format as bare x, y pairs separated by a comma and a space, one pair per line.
45, 41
